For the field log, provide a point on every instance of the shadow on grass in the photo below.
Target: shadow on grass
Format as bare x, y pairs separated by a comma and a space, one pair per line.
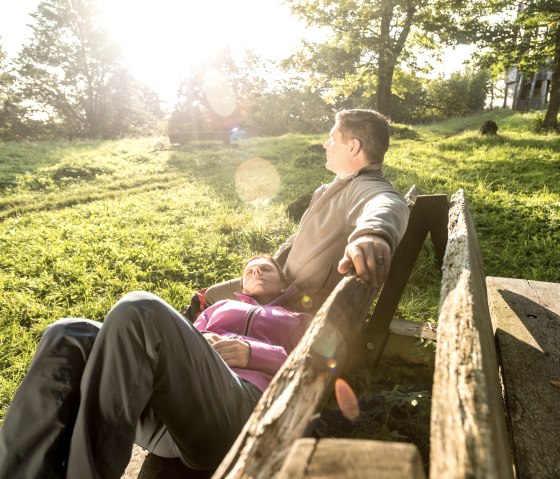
20, 158
299, 164
480, 141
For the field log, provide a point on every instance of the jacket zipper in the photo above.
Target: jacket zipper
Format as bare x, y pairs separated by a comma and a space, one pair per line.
249, 317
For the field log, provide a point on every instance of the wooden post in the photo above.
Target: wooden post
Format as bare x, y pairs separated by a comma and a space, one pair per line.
468, 430
289, 405
428, 215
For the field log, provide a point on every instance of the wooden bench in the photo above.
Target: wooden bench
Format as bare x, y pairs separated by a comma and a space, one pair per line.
182, 138
497, 361
469, 433
292, 401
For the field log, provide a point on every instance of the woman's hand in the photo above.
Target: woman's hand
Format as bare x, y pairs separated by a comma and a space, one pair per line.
212, 337
235, 352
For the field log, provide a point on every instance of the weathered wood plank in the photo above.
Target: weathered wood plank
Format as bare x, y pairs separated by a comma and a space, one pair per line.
526, 318
403, 342
352, 459
468, 430
290, 403
136, 460
298, 459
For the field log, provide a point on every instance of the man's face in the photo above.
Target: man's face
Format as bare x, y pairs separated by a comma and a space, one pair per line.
261, 279
338, 152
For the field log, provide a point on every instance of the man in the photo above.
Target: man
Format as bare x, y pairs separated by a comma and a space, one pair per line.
353, 224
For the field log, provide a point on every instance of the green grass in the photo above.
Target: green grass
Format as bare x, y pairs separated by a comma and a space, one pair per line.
82, 223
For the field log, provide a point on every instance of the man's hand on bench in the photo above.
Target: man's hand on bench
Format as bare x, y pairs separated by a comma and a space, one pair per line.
369, 257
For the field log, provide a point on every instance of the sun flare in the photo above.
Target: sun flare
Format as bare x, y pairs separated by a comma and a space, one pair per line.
162, 39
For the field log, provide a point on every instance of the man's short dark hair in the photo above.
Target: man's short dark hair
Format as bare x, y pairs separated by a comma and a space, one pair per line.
370, 127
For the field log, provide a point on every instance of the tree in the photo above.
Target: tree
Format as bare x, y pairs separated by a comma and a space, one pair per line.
461, 94
218, 93
69, 67
289, 110
207, 98
370, 38
133, 108
11, 111
525, 33
409, 97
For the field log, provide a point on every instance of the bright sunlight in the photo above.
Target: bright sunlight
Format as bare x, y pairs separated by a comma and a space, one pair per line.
162, 39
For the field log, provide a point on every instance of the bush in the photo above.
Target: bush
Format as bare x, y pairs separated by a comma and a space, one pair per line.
461, 94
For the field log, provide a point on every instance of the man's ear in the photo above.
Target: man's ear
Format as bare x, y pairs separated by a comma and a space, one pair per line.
355, 146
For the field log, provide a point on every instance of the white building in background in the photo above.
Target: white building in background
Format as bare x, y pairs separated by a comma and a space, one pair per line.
527, 91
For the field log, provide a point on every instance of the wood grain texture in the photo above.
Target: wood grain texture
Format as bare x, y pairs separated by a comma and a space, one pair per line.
135, 464
403, 343
468, 429
352, 459
290, 403
526, 318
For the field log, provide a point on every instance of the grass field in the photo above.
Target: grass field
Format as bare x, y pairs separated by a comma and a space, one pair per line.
82, 223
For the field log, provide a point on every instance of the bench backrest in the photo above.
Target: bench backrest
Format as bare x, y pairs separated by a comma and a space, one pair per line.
468, 430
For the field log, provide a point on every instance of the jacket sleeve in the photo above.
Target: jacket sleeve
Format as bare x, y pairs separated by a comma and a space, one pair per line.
265, 357
202, 321
269, 358
385, 215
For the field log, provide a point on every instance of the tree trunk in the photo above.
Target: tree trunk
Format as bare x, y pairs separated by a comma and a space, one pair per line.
389, 52
384, 87
551, 116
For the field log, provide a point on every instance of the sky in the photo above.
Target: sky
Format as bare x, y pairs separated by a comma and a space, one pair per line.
160, 38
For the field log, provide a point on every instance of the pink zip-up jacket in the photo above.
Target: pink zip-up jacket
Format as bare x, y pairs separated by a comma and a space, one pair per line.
270, 330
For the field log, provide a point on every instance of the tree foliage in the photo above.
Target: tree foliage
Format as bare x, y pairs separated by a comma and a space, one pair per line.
226, 91
417, 99
525, 33
72, 76
370, 39
460, 94
289, 110
11, 111
213, 94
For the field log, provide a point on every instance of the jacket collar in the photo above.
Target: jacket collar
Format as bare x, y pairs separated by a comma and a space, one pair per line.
371, 170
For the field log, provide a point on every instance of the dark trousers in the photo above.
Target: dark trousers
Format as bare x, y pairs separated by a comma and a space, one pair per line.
145, 375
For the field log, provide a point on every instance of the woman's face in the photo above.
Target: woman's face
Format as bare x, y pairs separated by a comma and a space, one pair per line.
261, 280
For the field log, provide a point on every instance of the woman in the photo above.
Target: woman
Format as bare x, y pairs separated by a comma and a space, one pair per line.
147, 375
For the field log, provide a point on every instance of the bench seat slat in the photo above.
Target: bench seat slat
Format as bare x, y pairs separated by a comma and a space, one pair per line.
351, 458
526, 318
